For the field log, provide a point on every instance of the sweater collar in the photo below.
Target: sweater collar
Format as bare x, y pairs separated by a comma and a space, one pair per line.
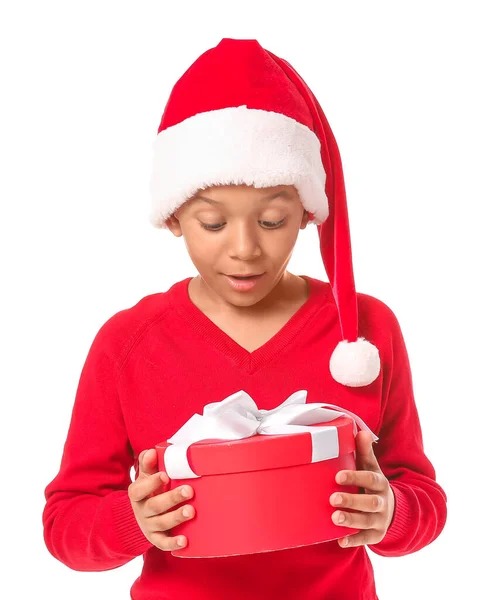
319, 294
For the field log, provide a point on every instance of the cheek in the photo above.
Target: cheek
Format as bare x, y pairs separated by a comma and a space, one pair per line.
280, 245
202, 248
283, 240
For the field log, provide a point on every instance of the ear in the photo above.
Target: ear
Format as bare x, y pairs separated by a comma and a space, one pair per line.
305, 219
174, 225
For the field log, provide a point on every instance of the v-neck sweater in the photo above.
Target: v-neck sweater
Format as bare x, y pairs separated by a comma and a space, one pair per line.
152, 366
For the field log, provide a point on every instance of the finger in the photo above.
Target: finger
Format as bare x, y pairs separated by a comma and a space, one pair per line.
361, 502
361, 538
144, 487
165, 542
365, 457
167, 521
147, 463
161, 503
371, 480
358, 520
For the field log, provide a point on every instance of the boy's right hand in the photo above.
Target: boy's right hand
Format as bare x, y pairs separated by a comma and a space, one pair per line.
153, 509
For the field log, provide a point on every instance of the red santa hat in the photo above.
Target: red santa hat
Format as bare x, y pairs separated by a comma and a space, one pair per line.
241, 115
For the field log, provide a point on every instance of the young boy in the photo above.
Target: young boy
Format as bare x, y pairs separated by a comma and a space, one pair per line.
244, 159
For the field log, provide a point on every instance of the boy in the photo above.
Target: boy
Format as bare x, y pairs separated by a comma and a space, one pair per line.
239, 168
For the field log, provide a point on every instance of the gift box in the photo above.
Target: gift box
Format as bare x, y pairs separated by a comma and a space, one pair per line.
262, 479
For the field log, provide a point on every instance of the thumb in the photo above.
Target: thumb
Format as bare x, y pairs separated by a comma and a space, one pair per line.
365, 457
147, 463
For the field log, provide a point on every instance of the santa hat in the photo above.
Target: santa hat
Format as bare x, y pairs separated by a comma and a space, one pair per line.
241, 115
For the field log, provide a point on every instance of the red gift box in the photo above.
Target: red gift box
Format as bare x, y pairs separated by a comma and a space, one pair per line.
260, 491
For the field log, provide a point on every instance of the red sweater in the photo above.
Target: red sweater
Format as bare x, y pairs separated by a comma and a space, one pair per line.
155, 364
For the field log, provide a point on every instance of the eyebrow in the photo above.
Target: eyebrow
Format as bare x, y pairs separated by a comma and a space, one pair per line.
283, 193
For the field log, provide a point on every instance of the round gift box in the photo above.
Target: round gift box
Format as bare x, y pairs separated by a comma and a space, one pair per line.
262, 493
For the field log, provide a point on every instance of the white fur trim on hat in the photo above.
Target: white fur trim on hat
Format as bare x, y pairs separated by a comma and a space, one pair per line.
236, 145
355, 364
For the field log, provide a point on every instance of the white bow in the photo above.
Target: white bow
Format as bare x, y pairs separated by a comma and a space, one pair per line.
237, 417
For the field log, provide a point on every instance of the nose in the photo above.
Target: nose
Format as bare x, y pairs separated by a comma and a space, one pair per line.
244, 242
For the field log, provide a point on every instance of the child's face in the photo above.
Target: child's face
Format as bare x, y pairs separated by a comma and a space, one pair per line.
251, 235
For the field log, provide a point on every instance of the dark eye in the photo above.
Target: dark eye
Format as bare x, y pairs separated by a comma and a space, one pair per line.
210, 227
268, 225
272, 224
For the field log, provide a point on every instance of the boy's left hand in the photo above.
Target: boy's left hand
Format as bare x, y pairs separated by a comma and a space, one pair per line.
376, 506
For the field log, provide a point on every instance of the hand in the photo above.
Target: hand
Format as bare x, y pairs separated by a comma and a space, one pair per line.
152, 509
376, 506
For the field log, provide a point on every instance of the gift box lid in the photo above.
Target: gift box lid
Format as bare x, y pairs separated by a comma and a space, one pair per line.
260, 452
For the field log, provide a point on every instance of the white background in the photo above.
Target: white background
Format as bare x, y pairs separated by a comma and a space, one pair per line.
404, 86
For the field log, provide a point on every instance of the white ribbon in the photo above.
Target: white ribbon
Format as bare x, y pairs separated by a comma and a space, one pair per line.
237, 417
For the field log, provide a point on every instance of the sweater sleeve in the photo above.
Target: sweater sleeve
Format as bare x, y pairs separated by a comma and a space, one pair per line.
420, 502
88, 520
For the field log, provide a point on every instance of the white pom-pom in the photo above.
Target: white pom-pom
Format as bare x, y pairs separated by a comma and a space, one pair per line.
355, 364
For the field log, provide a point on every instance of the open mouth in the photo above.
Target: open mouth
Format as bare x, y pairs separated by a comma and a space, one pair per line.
243, 283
